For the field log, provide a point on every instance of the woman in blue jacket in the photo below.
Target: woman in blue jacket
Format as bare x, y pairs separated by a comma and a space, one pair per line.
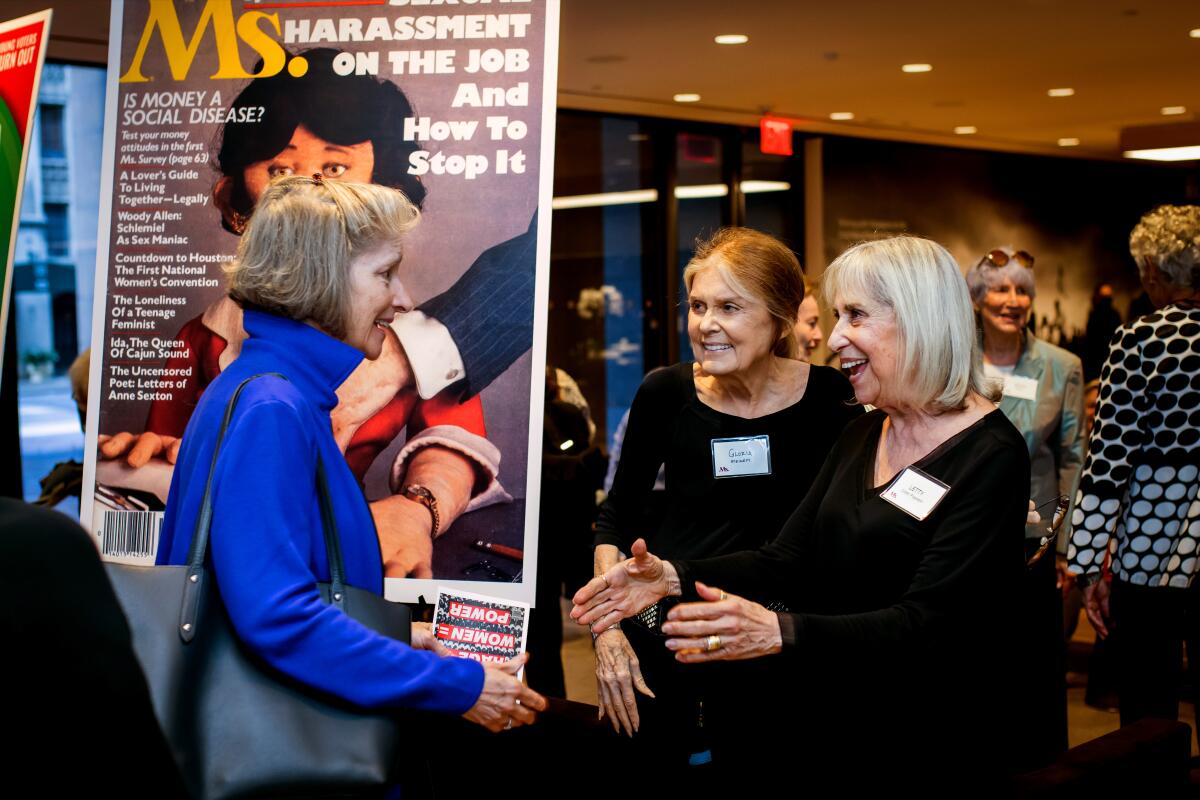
317, 274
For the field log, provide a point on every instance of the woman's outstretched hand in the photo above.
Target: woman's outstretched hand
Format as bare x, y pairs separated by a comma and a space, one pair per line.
624, 590
723, 628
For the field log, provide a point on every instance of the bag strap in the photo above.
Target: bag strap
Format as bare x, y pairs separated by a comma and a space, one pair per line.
197, 553
333, 544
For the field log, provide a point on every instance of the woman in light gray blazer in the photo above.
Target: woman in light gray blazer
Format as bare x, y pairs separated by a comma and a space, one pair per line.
1043, 398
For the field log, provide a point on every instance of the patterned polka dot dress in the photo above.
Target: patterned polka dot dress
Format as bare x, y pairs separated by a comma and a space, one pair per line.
1140, 479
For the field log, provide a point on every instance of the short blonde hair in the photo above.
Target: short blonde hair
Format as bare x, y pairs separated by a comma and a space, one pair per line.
940, 363
297, 247
758, 266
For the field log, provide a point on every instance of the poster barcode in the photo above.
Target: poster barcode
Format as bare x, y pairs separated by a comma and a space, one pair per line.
130, 533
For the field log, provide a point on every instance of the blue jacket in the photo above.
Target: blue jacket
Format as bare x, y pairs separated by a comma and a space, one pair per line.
266, 546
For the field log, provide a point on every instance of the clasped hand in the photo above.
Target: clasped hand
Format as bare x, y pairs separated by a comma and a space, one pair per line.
722, 628
505, 702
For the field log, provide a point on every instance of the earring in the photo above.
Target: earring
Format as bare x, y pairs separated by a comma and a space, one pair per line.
237, 223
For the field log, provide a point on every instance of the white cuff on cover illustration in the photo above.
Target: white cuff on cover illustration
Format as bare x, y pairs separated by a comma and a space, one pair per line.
485, 455
432, 353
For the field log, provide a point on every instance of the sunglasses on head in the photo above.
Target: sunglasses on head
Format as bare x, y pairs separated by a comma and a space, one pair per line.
999, 258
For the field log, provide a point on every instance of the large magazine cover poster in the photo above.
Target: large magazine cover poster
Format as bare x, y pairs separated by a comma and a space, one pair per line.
208, 100
22, 51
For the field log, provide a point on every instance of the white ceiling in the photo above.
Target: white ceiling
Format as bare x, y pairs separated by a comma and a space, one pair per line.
992, 63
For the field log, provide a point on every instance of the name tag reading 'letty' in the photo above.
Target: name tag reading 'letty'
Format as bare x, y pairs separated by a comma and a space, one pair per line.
915, 493
742, 456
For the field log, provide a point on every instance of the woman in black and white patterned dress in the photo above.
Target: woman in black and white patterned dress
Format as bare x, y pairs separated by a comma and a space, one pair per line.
1140, 481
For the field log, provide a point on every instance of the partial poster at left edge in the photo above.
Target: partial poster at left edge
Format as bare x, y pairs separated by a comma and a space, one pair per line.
22, 52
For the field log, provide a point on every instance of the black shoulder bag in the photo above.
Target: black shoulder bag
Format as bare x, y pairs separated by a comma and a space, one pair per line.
238, 727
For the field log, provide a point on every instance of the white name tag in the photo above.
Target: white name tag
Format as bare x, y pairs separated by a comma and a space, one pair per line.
737, 458
915, 493
1020, 387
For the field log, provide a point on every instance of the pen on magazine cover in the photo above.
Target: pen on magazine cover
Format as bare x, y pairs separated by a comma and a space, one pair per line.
500, 550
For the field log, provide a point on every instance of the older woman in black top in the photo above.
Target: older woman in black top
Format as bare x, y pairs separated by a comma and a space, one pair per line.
742, 433
895, 565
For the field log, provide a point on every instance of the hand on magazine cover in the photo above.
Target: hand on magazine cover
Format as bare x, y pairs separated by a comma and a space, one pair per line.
138, 448
369, 388
405, 539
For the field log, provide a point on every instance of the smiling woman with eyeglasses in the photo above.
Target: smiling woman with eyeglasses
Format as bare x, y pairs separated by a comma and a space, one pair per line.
1043, 397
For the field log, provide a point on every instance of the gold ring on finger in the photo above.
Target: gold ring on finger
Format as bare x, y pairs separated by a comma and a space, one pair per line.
714, 643
508, 725
724, 595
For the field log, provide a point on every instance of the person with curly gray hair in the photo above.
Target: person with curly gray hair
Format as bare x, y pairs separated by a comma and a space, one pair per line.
1139, 482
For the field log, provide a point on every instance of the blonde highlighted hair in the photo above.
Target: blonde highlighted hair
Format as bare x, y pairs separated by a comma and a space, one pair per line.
758, 266
297, 247
939, 359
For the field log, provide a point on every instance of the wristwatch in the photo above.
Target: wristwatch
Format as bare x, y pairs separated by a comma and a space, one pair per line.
419, 494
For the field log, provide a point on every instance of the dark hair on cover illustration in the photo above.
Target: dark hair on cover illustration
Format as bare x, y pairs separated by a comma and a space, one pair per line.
343, 110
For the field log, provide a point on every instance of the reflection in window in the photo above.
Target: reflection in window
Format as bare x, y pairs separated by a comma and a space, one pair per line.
703, 208
54, 262
604, 209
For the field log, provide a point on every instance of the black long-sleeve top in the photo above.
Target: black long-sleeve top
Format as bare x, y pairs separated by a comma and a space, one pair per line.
705, 515
895, 619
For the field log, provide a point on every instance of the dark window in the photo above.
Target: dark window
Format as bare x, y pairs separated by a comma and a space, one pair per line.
58, 231
53, 141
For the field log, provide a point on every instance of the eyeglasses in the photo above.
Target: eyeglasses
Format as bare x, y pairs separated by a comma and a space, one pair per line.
999, 258
1060, 504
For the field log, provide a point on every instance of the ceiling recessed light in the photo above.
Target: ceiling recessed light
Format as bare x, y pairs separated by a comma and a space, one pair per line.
1065, 91
1166, 153
842, 116
965, 130
917, 67
1173, 111
1068, 141
732, 38
686, 97
1194, 33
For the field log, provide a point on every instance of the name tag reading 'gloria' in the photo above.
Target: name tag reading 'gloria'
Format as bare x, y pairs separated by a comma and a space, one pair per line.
737, 458
915, 493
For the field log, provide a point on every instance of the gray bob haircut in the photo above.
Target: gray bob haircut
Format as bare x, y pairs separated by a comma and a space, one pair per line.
1170, 237
940, 363
984, 276
294, 255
